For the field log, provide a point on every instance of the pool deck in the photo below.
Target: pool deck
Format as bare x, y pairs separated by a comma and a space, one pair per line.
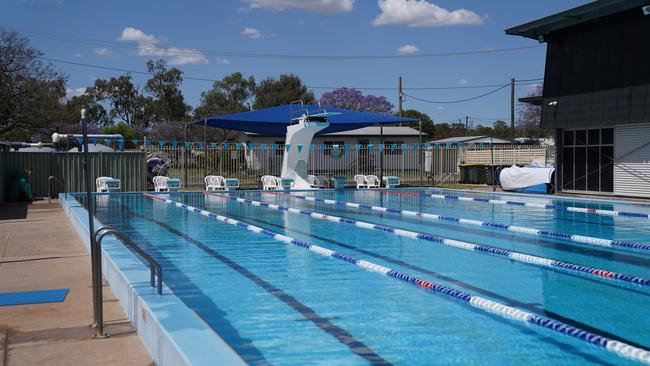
35, 256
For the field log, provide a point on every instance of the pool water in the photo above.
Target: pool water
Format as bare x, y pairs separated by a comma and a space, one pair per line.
280, 304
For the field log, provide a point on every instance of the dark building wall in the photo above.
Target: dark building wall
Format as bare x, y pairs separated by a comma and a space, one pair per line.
599, 73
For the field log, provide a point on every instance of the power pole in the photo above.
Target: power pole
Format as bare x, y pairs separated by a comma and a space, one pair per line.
467, 125
400, 97
512, 107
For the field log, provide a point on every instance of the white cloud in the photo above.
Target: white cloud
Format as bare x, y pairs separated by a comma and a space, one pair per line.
440, 108
148, 46
104, 52
69, 92
317, 6
223, 61
252, 33
463, 82
421, 13
408, 49
78, 55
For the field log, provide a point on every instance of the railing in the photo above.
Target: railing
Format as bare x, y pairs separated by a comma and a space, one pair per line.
415, 164
49, 188
96, 254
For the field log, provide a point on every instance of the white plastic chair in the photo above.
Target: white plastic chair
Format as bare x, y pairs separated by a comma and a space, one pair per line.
107, 184
166, 184
372, 181
215, 183
360, 180
313, 181
270, 182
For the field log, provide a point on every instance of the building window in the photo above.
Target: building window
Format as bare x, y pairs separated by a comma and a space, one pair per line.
587, 160
333, 148
388, 147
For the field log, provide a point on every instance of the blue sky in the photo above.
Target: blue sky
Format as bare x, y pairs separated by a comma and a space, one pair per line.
135, 31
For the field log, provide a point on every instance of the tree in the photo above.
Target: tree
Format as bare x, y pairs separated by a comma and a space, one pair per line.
428, 128
30, 91
502, 130
230, 95
353, 99
530, 117
274, 92
168, 103
128, 132
127, 103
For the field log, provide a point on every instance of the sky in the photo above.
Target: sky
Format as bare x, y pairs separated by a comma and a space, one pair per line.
201, 38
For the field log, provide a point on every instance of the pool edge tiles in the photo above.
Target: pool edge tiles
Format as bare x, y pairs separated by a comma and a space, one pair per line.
180, 339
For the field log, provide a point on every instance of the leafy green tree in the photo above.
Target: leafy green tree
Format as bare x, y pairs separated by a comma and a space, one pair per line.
288, 88
502, 130
428, 128
232, 94
30, 91
128, 132
168, 103
126, 102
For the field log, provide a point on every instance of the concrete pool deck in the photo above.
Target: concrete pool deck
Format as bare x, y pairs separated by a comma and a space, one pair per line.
40, 249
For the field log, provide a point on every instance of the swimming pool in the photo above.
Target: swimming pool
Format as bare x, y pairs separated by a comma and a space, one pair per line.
403, 286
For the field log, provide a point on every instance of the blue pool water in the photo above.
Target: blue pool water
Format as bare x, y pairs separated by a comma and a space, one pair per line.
280, 304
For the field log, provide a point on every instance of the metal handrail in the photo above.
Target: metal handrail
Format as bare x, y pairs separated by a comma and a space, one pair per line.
49, 187
154, 265
96, 254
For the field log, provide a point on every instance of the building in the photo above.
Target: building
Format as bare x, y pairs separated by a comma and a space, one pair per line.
472, 140
597, 95
363, 136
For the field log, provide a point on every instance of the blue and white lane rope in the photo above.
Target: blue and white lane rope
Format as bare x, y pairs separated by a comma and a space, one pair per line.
621, 349
601, 274
594, 211
589, 240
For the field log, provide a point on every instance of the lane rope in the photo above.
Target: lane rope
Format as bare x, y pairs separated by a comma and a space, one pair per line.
582, 239
593, 211
621, 349
542, 262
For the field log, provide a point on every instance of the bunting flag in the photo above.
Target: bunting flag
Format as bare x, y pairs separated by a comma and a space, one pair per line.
263, 146
346, 147
275, 146
149, 143
436, 146
161, 143
357, 147
237, 146
287, 147
458, 145
174, 144
94, 141
213, 145
323, 146
311, 147
121, 143
80, 140
393, 147
381, 147
135, 142
370, 146
188, 144
199, 144
107, 142
470, 145
480, 145
448, 145
225, 145
405, 146
299, 147
250, 146
415, 146
335, 147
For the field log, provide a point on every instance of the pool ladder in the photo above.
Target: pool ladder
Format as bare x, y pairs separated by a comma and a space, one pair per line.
49, 187
96, 259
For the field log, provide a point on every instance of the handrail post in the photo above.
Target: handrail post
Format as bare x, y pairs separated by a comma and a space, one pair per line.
154, 266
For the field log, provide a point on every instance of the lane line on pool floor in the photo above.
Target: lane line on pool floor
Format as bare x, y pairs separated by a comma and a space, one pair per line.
492, 307
467, 286
593, 211
542, 262
341, 335
582, 239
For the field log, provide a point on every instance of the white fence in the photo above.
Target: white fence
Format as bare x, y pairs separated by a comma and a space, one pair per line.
414, 164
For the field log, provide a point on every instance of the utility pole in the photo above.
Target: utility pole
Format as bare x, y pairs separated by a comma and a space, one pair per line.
466, 125
400, 97
512, 107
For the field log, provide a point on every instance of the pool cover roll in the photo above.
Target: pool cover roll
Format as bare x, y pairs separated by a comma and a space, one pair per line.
19, 189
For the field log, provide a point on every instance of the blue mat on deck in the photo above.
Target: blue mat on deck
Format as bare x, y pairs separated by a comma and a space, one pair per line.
32, 297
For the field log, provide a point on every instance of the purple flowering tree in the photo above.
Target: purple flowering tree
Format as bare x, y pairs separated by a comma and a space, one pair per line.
353, 99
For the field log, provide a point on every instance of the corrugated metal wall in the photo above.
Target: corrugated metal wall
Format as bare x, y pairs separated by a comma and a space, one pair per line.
632, 160
129, 167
